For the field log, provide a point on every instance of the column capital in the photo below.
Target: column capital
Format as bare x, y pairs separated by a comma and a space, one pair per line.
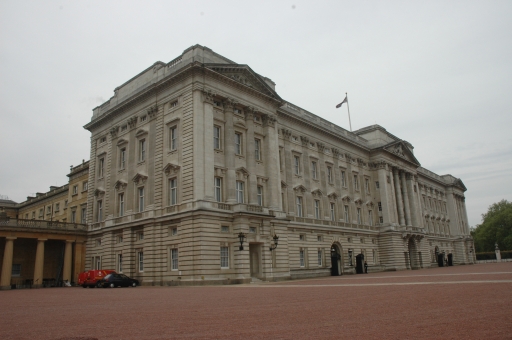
229, 104
249, 113
42, 239
70, 241
269, 120
208, 96
10, 238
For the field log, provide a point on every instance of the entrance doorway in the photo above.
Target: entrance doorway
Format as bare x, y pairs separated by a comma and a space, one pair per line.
255, 259
413, 254
335, 260
359, 263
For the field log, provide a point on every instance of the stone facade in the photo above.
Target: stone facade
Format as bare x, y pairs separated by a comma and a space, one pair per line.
188, 154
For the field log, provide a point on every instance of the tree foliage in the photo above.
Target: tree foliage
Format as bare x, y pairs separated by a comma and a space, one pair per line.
496, 227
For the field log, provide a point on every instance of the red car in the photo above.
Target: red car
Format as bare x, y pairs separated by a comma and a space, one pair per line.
91, 278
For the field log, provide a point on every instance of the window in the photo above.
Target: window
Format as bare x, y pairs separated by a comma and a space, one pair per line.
224, 229
143, 118
317, 209
101, 167
33, 214
299, 206
174, 103
301, 258
174, 259
41, 212
75, 189
103, 139
141, 199
329, 174
377, 185
120, 263
85, 186
173, 138
140, 236
319, 238
142, 150
343, 179
83, 215
16, 270
320, 257
296, 164
57, 205
358, 215
99, 211
260, 195
121, 205
173, 191
356, 182
98, 242
218, 189
216, 137
122, 158
252, 230
257, 148
367, 185
174, 231
381, 219
48, 209
141, 261
238, 143
240, 191
224, 257
120, 239
73, 216
26, 216
370, 218
379, 204
97, 262
313, 170
302, 237
333, 212
347, 215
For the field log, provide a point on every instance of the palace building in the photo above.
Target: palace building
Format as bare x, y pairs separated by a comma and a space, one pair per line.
187, 155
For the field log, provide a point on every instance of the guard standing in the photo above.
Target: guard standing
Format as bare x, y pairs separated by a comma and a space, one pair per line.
365, 267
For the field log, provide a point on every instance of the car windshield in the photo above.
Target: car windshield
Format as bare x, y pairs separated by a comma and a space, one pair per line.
108, 276
124, 276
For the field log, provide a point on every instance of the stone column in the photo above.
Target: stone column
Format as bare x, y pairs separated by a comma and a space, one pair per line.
39, 264
79, 263
398, 194
287, 169
229, 154
66, 271
412, 197
5, 282
272, 162
386, 204
406, 201
251, 156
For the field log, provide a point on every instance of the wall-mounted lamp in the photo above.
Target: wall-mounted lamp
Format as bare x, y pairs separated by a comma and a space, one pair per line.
241, 238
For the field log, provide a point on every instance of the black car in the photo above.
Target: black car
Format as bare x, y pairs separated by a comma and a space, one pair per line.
117, 280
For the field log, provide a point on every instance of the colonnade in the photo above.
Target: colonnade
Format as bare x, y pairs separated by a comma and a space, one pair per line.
406, 200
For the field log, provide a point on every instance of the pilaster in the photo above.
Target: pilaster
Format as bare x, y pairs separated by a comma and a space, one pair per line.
5, 281
39, 263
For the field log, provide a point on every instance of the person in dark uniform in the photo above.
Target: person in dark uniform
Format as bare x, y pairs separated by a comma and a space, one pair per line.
365, 267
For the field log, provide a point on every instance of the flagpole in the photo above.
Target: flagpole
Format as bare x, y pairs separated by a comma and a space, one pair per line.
348, 108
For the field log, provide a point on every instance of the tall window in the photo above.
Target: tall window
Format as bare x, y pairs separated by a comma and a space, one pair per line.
218, 189
173, 138
356, 182
141, 199
296, 164
224, 257
299, 206
142, 150
216, 137
317, 209
301, 257
358, 215
100, 211
73, 216
257, 149
379, 204
141, 261
121, 204
84, 185
329, 174
333, 212
122, 158
370, 217
83, 215
313, 170
101, 167
343, 179
75, 189
238, 143
174, 259
320, 258
347, 215
367, 185
240, 191
173, 191
120, 263
260, 195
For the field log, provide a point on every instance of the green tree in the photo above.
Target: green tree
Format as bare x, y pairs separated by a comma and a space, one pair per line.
496, 227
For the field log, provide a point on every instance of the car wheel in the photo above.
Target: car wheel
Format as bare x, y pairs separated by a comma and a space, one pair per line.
134, 284
112, 285
98, 284
84, 286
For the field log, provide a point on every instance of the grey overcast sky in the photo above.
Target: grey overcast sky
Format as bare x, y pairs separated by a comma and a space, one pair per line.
435, 73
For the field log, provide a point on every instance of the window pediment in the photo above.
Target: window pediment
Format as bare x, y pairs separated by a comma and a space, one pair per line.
99, 192
171, 169
333, 196
317, 193
141, 132
140, 178
120, 185
300, 188
346, 198
122, 142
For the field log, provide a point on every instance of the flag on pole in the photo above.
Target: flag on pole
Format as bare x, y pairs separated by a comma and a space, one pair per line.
344, 101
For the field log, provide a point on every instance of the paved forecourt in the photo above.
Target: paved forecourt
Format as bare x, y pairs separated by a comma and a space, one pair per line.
462, 302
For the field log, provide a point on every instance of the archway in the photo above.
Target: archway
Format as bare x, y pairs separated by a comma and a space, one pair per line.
336, 260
